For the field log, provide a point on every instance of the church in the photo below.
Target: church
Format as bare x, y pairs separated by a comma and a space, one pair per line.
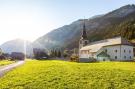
113, 49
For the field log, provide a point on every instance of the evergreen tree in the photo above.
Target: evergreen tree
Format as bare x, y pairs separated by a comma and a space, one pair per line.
51, 53
59, 53
1, 51
55, 53
65, 53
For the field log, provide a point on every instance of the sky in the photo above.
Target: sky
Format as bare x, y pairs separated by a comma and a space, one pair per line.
30, 19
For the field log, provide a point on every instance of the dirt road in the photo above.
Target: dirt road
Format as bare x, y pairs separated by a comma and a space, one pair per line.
5, 69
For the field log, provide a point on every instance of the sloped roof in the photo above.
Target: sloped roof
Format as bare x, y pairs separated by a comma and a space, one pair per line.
103, 54
95, 46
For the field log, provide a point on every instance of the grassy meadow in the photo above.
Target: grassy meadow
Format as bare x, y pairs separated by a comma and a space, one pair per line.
56, 74
5, 62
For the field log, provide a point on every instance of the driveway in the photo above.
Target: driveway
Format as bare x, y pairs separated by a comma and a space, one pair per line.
5, 69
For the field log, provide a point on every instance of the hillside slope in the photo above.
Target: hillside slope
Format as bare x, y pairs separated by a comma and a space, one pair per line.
98, 27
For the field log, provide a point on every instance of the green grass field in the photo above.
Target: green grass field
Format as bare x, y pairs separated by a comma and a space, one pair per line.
69, 75
5, 62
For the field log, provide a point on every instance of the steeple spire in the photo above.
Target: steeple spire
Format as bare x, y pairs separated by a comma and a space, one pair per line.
84, 40
84, 34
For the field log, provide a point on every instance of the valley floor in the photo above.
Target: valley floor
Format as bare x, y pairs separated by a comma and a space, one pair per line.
57, 74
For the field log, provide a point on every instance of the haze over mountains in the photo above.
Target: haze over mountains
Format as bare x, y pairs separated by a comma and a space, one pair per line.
98, 27
17, 45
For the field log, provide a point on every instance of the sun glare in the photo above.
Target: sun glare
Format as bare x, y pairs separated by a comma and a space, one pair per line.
24, 25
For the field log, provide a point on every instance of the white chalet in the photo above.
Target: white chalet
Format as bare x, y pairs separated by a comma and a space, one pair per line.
114, 49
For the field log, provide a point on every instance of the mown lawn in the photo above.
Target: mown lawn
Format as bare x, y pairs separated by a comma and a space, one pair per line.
5, 62
68, 75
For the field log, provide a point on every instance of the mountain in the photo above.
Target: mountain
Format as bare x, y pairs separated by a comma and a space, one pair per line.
121, 12
98, 27
118, 22
17, 45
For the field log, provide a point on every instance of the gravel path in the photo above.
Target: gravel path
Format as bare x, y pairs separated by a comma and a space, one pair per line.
5, 69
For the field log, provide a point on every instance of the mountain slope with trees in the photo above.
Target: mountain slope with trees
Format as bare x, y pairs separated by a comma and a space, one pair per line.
114, 23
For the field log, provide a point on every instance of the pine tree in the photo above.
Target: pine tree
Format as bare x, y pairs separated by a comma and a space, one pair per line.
51, 53
55, 53
59, 53
1, 51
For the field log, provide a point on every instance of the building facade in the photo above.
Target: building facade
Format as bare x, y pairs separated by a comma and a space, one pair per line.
114, 49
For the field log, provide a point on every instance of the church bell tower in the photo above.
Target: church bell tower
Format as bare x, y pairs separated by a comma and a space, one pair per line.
84, 40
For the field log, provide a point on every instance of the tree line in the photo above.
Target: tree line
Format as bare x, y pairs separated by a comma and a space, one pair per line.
55, 53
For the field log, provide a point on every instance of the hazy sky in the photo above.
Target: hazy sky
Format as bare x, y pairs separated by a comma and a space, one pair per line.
30, 19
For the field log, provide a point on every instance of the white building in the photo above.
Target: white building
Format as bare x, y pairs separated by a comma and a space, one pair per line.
114, 49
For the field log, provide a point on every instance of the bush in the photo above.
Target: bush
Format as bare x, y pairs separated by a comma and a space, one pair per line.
74, 59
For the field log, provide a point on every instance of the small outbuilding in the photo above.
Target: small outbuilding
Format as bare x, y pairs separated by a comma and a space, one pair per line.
103, 56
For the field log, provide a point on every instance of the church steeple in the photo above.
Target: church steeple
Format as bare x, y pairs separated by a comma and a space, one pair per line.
84, 34
84, 40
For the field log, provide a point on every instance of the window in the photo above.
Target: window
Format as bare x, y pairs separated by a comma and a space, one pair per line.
124, 50
125, 57
129, 51
83, 52
86, 51
130, 57
115, 57
116, 51
89, 51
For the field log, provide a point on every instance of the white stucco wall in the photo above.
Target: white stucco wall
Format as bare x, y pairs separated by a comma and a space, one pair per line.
128, 54
111, 50
84, 56
120, 54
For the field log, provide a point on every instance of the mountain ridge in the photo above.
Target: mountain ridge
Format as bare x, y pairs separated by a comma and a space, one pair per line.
60, 37
17, 45
98, 27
